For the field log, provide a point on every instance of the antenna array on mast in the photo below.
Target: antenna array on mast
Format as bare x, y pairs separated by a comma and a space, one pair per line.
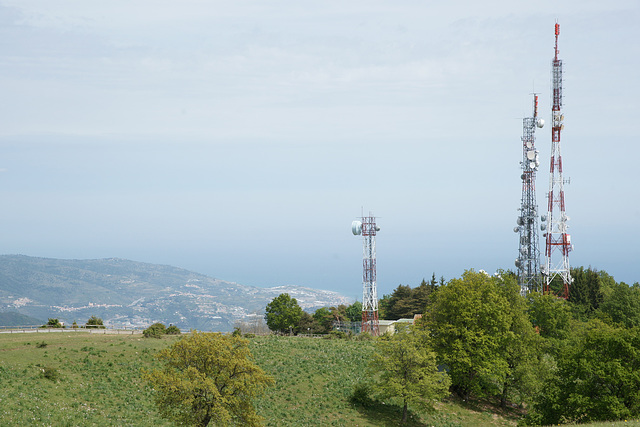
368, 228
528, 260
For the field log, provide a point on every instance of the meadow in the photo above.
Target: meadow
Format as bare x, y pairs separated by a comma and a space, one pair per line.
83, 379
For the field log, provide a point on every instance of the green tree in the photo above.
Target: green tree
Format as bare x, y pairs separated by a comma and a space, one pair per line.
472, 324
622, 304
383, 307
407, 370
522, 349
307, 324
550, 315
157, 330
283, 313
324, 320
597, 377
354, 312
208, 378
585, 293
339, 313
95, 322
401, 303
405, 302
53, 323
172, 330
421, 297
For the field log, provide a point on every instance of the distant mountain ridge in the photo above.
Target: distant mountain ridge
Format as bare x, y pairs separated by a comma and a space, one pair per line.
135, 294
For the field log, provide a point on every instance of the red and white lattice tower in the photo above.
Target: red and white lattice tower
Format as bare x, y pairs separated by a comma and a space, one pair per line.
558, 240
367, 227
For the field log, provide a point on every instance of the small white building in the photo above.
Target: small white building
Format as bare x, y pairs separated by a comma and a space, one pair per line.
390, 325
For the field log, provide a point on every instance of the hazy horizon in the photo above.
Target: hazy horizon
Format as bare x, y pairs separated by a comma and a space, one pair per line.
239, 140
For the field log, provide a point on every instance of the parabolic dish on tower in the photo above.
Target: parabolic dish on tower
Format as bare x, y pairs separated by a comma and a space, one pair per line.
356, 228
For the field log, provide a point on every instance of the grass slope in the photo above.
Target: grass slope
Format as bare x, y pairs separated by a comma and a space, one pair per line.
99, 380
99, 383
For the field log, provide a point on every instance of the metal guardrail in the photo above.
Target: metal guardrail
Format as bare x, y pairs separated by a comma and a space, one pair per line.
83, 328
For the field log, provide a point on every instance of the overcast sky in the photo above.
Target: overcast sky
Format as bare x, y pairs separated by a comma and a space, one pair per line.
240, 139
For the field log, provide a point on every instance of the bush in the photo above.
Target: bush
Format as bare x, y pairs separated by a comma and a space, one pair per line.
364, 336
41, 344
172, 330
53, 323
95, 322
340, 335
50, 373
157, 330
361, 395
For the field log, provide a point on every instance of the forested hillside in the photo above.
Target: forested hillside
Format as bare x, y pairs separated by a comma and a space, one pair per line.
574, 360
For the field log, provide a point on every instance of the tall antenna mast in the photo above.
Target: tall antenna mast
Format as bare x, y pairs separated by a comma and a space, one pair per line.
528, 261
367, 227
558, 240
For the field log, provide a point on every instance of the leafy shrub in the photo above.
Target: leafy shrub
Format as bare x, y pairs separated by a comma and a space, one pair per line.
50, 373
53, 323
172, 330
41, 344
249, 335
361, 395
341, 335
237, 332
95, 322
157, 330
365, 336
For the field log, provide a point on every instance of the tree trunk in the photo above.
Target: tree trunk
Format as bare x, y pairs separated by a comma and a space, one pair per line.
205, 420
503, 397
404, 413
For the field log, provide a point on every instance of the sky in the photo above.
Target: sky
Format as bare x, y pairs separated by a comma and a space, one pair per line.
241, 139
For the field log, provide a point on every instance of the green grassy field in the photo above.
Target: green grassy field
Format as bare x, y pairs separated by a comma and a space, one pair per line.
82, 379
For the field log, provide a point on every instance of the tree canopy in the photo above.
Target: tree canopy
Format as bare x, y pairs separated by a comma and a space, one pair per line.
53, 323
481, 333
208, 377
283, 313
407, 370
95, 322
598, 377
586, 290
405, 302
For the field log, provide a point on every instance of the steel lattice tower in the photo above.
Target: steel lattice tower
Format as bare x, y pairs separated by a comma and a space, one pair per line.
367, 227
558, 241
528, 261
